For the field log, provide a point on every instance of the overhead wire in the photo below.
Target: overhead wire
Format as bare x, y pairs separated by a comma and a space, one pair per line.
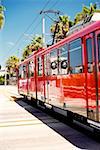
29, 26
54, 4
20, 37
38, 23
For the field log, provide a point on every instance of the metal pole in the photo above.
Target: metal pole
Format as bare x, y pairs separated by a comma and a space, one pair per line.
5, 77
43, 30
43, 22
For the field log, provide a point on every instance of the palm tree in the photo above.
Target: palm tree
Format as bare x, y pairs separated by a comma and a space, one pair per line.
79, 17
36, 44
86, 11
64, 24
26, 52
12, 64
1, 16
60, 28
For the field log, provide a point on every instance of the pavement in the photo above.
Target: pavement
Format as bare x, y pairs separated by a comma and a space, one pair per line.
19, 130
23, 127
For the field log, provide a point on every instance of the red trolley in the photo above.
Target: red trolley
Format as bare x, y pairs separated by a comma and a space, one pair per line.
66, 76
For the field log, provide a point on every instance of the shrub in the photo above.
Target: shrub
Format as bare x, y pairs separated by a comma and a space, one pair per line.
2, 80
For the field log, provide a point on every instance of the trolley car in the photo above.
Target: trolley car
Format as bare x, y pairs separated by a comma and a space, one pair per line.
65, 77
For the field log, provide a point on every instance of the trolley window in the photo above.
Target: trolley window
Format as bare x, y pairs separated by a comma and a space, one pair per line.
20, 72
40, 66
47, 68
31, 68
89, 54
54, 63
63, 60
98, 40
75, 53
24, 72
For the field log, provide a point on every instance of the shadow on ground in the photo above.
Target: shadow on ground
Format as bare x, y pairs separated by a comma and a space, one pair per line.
74, 136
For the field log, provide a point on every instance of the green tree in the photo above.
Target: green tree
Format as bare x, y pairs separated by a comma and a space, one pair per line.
26, 52
1, 16
12, 64
2, 80
86, 11
36, 44
60, 28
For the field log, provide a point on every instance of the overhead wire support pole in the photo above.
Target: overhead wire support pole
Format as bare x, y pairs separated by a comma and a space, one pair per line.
43, 29
43, 22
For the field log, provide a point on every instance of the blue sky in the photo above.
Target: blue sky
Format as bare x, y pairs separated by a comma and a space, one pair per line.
22, 20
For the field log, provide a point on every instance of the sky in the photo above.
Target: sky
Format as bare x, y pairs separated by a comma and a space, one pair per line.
23, 21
